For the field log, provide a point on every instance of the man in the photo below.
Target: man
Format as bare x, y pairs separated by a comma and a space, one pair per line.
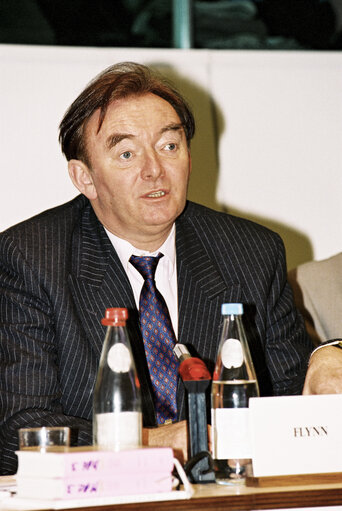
318, 295
127, 142
317, 289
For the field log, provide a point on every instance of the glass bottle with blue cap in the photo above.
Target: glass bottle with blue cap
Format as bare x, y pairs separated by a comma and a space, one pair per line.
234, 382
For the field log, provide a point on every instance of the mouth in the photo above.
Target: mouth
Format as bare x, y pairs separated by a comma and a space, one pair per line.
155, 195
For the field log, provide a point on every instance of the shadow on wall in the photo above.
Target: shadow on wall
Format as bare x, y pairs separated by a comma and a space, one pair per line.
210, 123
204, 146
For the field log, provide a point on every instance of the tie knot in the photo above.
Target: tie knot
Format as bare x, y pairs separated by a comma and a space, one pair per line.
146, 265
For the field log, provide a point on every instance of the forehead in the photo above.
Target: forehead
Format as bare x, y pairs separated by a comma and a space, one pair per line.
147, 110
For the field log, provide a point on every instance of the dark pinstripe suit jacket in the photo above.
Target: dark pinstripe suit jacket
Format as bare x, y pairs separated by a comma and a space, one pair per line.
58, 274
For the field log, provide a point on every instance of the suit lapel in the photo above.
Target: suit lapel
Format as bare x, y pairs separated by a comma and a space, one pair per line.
97, 281
202, 288
201, 291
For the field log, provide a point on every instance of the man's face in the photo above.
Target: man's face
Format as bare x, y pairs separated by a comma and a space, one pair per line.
140, 167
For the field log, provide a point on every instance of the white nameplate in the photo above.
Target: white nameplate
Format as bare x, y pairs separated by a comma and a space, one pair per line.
296, 434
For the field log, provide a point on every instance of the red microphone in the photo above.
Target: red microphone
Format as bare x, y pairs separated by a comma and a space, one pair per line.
196, 379
190, 368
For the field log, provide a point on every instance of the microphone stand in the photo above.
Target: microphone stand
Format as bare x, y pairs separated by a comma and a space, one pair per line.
196, 379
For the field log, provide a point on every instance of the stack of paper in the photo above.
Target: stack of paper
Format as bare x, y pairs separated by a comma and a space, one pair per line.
78, 473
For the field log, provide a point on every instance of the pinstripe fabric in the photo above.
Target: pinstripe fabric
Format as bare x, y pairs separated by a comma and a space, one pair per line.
59, 272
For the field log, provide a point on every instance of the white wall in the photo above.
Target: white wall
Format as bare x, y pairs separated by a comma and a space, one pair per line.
277, 116
281, 147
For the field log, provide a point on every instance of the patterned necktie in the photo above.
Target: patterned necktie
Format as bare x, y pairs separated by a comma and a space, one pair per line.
159, 340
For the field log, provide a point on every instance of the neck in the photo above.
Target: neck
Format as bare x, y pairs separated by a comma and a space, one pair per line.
148, 238
148, 243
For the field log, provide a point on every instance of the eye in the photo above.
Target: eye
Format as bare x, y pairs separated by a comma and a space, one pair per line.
126, 155
171, 147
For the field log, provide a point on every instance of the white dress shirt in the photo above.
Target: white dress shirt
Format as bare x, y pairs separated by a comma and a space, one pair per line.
166, 272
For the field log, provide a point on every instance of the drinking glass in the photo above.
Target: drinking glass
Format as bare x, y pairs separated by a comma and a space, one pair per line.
44, 439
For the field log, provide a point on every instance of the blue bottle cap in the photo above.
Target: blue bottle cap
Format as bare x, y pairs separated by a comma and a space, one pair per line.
231, 308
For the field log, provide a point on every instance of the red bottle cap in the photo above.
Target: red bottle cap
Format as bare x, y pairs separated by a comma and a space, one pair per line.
115, 316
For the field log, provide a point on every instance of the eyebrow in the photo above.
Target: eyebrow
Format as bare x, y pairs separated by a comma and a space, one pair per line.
174, 126
114, 139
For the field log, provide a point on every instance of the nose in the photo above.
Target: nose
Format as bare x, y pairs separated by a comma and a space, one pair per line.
152, 167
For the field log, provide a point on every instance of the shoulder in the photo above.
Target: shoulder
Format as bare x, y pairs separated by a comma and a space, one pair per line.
317, 293
45, 231
50, 216
239, 247
225, 228
326, 270
319, 281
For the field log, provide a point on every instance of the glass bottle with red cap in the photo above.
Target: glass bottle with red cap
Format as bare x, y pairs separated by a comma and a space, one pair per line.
117, 417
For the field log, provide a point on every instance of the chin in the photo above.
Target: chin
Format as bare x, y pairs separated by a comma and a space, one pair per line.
161, 219
159, 216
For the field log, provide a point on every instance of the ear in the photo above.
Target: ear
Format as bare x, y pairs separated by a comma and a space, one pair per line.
81, 176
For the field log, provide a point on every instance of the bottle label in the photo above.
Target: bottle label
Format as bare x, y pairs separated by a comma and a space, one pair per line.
232, 353
120, 430
119, 358
230, 433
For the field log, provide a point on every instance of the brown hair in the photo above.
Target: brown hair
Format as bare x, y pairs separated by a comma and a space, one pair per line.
116, 82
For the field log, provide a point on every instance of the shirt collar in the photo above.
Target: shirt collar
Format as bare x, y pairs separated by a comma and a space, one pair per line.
125, 249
